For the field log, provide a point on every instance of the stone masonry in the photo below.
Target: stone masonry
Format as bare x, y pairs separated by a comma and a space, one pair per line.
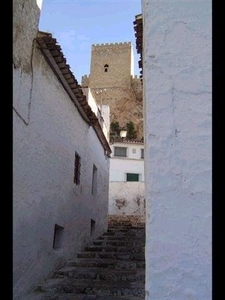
112, 83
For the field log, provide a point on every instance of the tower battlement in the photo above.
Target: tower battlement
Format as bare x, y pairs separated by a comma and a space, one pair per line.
122, 44
111, 64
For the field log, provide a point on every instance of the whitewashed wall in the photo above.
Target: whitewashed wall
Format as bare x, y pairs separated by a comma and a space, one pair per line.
126, 198
103, 117
178, 118
106, 118
47, 130
119, 166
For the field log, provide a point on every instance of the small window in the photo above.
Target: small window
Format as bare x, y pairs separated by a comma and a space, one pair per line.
76, 178
133, 151
132, 177
92, 226
106, 67
142, 153
120, 151
58, 237
94, 180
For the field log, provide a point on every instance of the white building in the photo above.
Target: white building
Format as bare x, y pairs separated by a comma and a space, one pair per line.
177, 71
60, 156
126, 186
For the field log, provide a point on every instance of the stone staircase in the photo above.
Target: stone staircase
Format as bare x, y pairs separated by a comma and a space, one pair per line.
113, 267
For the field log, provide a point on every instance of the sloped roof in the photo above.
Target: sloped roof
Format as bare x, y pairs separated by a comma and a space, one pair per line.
56, 60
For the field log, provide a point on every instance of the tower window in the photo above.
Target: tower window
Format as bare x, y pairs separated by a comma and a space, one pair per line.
106, 67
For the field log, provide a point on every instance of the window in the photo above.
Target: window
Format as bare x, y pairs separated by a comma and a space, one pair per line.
120, 151
58, 237
106, 67
133, 151
142, 153
94, 180
92, 226
132, 177
76, 178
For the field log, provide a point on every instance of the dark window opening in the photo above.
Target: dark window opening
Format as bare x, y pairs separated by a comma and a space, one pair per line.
120, 151
106, 67
94, 180
142, 153
58, 237
92, 226
132, 177
76, 178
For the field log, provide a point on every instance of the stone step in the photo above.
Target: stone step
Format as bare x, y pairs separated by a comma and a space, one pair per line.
111, 255
100, 274
72, 296
127, 249
118, 243
121, 238
107, 263
125, 229
93, 287
130, 226
130, 233
121, 227
112, 268
117, 221
135, 225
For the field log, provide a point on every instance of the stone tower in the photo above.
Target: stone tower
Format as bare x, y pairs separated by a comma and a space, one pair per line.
112, 83
111, 65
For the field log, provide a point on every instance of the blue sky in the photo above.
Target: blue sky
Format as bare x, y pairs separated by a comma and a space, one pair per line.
77, 24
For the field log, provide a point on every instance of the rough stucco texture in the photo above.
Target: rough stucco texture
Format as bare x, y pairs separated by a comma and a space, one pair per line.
126, 198
44, 193
177, 101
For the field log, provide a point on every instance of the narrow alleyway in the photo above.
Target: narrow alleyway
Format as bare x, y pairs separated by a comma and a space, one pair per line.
113, 267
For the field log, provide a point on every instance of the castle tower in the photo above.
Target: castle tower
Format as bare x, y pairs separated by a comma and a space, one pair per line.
112, 83
111, 65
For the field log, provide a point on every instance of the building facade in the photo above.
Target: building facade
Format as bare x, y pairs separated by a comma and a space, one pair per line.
126, 186
60, 181
177, 88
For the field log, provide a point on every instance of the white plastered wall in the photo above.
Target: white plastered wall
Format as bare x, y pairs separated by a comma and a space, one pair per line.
178, 152
47, 130
126, 198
